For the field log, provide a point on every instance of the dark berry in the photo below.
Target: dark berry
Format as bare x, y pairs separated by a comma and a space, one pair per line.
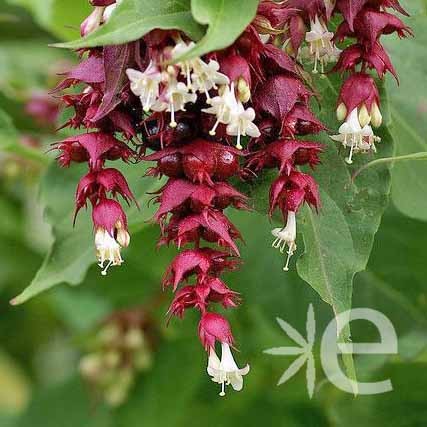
171, 165
227, 165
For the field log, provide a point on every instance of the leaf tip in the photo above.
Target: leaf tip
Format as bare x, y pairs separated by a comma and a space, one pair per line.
15, 301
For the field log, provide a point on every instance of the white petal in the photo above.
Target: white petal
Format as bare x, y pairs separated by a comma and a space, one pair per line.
252, 130
134, 74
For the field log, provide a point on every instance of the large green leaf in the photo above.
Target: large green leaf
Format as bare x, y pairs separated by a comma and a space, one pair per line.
226, 20
338, 240
132, 19
404, 406
409, 107
72, 251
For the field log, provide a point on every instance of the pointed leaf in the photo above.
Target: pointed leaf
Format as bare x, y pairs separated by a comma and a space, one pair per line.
226, 20
132, 19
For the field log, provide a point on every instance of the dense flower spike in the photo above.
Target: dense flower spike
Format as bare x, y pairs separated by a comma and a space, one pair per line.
202, 121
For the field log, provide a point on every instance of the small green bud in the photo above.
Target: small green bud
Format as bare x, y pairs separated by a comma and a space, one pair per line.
376, 116
364, 117
341, 112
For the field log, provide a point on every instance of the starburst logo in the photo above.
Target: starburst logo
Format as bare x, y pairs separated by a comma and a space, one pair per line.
304, 351
330, 349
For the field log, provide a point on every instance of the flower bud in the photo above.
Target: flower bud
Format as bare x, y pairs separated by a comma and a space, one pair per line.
92, 22
341, 112
118, 391
376, 116
143, 359
243, 90
134, 339
91, 366
111, 359
364, 117
108, 334
123, 237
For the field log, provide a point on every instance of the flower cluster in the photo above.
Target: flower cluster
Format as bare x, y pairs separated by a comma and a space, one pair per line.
359, 101
101, 107
202, 122
281, 101
170, 88
121, 348
303, 27
193, 112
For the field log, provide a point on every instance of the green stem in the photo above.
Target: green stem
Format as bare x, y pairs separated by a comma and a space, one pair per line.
422, 155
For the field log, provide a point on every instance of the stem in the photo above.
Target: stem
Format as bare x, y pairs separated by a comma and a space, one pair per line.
422, 155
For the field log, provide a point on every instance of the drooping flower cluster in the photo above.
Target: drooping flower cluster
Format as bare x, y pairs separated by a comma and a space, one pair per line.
359, 101
204, 121
302, 26
193, 113
103, 108
281, 101
121, 348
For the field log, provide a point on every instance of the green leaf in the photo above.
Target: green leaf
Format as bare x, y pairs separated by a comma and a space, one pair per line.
81, 311
72, 252
132, 19
408, 107
226, 20
62, 18
9, 142
17, 79
404, 406
65, 405
338, 240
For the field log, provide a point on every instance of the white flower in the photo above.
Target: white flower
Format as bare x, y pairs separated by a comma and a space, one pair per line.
207, 76
222, 106
186, 66
226, 371
108, 248
145, 84
353, 135
286, 236
231, 112
174, 99
200, 76
241, 123
320, 43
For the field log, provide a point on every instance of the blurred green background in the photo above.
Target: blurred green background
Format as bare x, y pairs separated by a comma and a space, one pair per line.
42, 341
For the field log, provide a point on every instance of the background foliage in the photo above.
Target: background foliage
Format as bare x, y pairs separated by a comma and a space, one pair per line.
41, 340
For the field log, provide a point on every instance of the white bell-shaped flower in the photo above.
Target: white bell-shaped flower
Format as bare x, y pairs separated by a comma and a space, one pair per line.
226, 371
